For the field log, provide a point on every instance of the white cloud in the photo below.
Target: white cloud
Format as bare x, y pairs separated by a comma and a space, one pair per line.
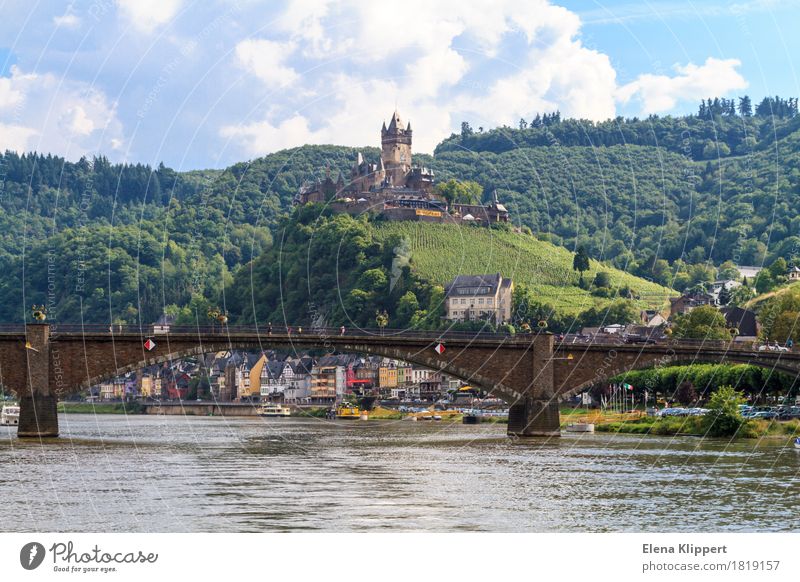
265, 59
67, 20
147, 15
48, 114
15, 137
660, 93
426, 50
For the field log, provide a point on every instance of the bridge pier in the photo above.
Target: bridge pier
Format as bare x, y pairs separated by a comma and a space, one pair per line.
534, 418
38, 416
536, 415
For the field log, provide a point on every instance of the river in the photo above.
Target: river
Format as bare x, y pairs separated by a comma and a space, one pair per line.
116, 473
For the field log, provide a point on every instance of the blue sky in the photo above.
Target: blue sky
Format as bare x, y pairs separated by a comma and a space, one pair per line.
202, 84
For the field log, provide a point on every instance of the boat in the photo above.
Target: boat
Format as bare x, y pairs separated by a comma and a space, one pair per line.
347, 412
274, 410
797, 443
10, 415
580, 427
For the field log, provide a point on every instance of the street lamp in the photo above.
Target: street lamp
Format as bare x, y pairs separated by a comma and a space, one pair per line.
39, 312
215, 314
382, 319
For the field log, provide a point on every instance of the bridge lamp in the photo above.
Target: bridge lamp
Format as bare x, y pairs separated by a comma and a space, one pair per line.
542, 324
39, 312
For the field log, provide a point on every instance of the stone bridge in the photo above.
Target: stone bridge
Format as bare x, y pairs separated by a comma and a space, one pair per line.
43, 363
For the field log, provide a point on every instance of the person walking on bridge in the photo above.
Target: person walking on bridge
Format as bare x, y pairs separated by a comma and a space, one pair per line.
341, 330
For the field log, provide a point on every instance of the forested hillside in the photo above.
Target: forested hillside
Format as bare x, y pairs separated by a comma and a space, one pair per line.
655, 197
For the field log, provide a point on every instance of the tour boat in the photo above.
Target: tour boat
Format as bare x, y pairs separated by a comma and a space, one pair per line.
274, 410
10, 415
348, 412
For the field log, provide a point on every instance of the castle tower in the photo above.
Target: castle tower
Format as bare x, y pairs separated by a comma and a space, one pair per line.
396, 150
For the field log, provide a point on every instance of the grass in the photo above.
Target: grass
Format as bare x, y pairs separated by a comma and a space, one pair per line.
442, 251
692, 425
101, 408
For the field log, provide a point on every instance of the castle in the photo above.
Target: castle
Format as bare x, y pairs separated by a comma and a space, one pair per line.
394, 187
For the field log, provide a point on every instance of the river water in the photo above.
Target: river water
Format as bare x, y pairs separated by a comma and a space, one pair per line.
116, 473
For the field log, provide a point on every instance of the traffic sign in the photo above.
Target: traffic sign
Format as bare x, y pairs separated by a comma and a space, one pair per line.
439, 349
149, 345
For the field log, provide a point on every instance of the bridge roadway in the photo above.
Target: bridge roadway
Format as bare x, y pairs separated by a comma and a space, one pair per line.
42, 362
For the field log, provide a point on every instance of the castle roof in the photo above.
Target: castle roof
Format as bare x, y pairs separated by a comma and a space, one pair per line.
396, 123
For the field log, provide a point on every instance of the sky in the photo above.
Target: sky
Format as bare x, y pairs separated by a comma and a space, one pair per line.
207, 83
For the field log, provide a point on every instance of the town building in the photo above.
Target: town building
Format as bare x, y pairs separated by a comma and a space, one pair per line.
688, 301
742, 320
479, 297
651, 318
793, 274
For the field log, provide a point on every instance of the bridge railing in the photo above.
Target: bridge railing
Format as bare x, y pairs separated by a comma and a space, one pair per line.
286, 331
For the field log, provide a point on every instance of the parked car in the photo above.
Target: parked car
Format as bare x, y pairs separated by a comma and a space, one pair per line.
635, 338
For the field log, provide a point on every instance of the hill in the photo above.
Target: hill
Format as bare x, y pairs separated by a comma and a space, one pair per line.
655, 197
335, 269
439, 252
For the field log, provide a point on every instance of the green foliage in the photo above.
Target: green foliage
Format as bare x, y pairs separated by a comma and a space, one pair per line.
705, 378
723, 417
581, 260
331, 271
704, 322
779, 315
460, 192
602, 279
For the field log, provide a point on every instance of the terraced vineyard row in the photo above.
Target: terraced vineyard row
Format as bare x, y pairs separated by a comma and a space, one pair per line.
440, 252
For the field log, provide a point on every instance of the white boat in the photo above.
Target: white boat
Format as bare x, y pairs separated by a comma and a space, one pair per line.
797, 443
10, 415
274, 410
580, 427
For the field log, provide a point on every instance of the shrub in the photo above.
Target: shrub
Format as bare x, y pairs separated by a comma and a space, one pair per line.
723, 417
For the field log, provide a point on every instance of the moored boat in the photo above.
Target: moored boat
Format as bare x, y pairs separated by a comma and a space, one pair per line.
274, 410
580, 427
347, 412
10, 415
797, 443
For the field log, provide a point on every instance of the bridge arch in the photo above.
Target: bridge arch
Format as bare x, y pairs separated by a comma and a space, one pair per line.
125, 363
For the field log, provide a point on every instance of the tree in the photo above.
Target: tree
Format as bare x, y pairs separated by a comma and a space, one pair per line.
580, 261
407, 306
745, 106
728, 271
703, 322
602, 279
741, 295
723, 417
778, 269
724, 296
460, 192
686, 394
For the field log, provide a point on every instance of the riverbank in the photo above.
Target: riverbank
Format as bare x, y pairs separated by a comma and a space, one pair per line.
101, 408
692, 426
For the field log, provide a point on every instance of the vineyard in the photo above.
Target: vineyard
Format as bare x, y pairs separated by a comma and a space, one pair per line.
442, 251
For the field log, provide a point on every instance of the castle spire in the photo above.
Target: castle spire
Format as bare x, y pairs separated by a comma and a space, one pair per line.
396, 123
